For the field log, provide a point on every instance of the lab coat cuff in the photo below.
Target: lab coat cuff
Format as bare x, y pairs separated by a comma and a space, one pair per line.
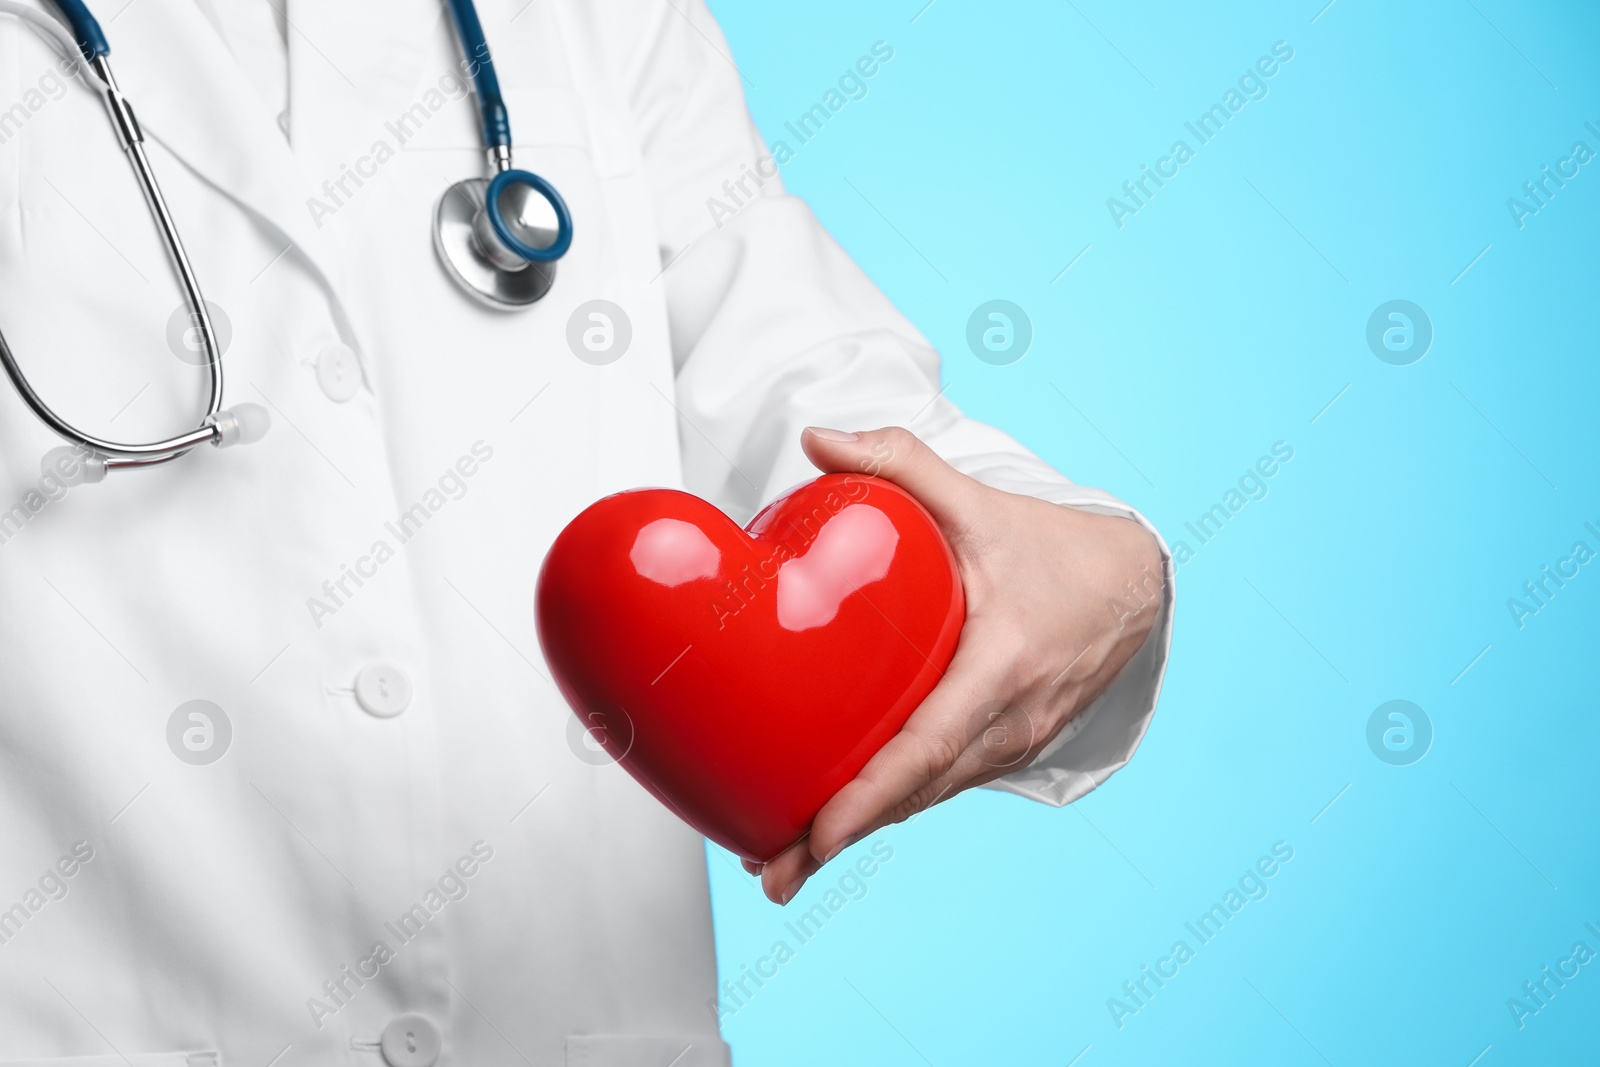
1102, 737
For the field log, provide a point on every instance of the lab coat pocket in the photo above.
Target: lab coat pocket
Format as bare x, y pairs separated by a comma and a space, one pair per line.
132, 1059
617, 1050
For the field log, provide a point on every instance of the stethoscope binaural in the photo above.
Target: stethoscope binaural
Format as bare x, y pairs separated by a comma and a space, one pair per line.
497, 237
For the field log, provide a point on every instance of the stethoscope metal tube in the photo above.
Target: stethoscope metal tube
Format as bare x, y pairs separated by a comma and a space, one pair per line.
132, 140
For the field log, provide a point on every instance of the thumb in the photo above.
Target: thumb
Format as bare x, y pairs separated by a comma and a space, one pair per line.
897, 455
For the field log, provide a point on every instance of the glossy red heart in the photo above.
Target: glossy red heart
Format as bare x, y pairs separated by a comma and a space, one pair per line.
744, 676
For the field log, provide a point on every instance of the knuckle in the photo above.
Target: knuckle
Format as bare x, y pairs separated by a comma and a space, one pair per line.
898, 438
1008, 733
920, 800
1007, 742
940, 752
891, 446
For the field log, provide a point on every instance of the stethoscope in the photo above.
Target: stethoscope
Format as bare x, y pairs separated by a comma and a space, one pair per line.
497, 237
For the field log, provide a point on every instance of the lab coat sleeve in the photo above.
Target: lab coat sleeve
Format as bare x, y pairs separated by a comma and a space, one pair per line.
775, 328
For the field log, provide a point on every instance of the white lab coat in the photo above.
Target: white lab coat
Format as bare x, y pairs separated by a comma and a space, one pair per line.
221, 903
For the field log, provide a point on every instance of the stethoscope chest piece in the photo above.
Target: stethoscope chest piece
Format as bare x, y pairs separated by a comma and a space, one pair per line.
478, 260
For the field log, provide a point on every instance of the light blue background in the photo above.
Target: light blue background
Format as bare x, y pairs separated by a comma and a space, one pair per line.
1225, 316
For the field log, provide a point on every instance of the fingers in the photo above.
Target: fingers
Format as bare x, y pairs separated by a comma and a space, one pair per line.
899, 456
905, 776
999, 738
783, 875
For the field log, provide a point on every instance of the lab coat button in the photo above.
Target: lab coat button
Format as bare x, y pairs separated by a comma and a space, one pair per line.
410, 1041
382, 689
338, 372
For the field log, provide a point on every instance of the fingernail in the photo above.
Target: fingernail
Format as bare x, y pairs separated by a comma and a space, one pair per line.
841, 846
788, 895
841, 436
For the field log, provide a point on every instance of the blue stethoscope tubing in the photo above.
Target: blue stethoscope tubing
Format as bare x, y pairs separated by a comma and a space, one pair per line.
245, 423
491, 108
85, 27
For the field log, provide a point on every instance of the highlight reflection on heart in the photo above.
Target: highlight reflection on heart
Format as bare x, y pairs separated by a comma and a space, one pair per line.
853, 550
671, 552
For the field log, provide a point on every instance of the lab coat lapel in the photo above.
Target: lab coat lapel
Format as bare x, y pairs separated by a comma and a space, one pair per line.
192, 97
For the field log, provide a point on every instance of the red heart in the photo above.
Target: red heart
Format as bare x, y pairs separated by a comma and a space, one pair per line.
743, 677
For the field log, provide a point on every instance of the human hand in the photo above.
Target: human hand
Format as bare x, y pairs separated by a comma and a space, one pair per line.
1049, 624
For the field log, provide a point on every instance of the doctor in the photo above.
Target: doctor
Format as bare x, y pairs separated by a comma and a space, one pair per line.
283, 777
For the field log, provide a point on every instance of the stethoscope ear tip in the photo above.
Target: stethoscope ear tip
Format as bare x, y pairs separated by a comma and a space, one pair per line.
242, 424
73, 465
